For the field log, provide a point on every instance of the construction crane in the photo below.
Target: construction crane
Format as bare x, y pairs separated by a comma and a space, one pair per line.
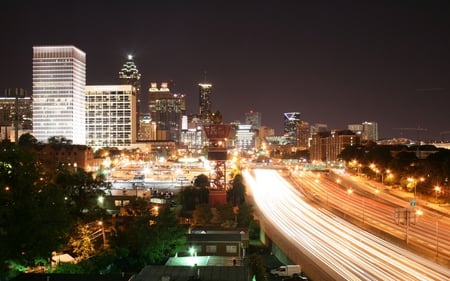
418, 130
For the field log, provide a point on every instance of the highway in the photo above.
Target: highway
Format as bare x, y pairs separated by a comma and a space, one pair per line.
419, 227
342, 250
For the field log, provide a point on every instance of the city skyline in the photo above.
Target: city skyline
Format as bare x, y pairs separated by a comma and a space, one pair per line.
336, 64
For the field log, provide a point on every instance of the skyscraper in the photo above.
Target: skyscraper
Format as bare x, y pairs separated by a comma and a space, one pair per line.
253, 118
167, 110
205, 92
110, 118
291, 120
59, 94
129, 75
370, 131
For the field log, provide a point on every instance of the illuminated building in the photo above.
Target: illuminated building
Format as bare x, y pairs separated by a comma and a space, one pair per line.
205, 92
326, 146
370, 131
166, 110
193, 136
303, 135
253, 118
129, 75
291, 120
147, 128
12, 108
110, 118
245, 137
59, 94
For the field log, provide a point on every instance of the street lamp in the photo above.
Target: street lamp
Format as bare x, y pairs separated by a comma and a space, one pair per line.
415, 182
437, 188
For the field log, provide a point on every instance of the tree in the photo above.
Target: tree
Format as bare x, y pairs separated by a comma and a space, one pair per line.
236, 195
202, 214
33, 217
225, 215
201, 181
256, 264
27, 140
191, 196
245, 214
81, 189
82, 242
171, 236
59, 140
148, 240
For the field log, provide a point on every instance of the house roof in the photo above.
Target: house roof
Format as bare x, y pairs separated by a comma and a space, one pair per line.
185, 273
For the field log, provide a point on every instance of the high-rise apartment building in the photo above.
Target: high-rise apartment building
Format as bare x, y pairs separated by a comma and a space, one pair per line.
253, 118
291, 120
370, 131
166, 110
205, 92
326, 146
110, 118
59, 94
129, 75
15, 114
303, 134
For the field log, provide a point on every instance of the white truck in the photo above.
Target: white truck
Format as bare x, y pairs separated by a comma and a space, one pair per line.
287, 270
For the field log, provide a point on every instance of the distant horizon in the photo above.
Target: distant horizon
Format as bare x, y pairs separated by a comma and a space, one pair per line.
335, 63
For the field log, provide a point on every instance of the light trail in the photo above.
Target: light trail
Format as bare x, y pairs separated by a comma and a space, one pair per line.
341, 249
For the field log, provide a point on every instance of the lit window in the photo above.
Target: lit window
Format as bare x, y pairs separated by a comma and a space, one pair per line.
231, 249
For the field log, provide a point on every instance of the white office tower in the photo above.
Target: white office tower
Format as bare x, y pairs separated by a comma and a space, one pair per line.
59, 94
110, 117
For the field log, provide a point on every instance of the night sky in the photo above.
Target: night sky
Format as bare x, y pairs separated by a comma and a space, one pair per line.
335, 62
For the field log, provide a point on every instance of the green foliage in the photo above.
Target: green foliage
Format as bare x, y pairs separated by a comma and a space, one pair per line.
245, 214
256, 264
27, 140
70, 268
254, 229
33, 216
236, 194
191, 196
81, 190
201, 180
148, 240
202, 214
81, 242
225, 215
59, 140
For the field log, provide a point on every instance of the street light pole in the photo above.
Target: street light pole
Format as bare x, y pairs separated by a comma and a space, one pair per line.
437, 189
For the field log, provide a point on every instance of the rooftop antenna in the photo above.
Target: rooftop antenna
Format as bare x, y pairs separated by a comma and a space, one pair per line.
204, 76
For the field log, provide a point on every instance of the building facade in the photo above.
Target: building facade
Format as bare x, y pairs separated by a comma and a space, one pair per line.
291, 121
15, 113
129, 75
253, 118
59, 94
110, 118
245, 137
166, 110
370, 131
303, 135
326, 146
205, 92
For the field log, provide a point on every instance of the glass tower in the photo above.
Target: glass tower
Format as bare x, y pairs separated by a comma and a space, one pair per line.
59, 95
205, 92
